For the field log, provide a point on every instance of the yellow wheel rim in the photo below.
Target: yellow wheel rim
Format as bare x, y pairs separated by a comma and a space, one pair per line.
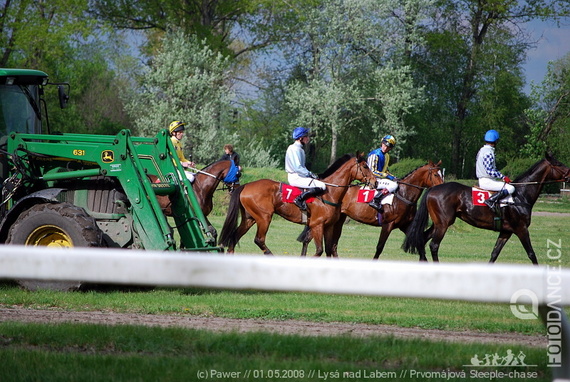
49, 236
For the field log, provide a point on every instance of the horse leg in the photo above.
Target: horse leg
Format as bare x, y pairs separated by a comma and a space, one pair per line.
245, 225
331, 241
212, 230
428, 234
305, 238
384, 234
261, 234
524, 237
436, 237
332, 236
499, 244
317, 232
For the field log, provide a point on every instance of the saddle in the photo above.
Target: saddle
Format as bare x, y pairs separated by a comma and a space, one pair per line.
480, 195
289, 193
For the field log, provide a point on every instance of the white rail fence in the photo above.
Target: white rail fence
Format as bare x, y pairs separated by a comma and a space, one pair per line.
545, 289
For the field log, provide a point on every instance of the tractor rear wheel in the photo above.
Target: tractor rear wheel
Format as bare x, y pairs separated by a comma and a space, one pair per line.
60, 225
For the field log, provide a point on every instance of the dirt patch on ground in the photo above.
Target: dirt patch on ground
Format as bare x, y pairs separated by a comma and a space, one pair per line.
306, 328
552, 214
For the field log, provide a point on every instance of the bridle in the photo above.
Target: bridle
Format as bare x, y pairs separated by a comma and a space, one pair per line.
430, 176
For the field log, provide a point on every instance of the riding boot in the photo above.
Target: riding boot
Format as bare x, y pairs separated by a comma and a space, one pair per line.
300, 200
376, 203
493, 200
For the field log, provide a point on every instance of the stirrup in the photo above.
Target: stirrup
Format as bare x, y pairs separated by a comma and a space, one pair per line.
301, 204
373, 204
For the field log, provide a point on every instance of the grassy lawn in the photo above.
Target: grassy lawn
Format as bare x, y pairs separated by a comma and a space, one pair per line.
65, 352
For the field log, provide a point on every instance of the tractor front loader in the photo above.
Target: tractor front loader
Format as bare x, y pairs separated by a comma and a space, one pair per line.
66, 190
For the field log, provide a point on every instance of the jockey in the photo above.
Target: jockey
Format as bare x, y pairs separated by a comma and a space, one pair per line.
487, 172
297, 173
378, 161
176, 130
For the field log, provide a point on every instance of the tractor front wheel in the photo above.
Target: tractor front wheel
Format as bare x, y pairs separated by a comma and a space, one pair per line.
60, 225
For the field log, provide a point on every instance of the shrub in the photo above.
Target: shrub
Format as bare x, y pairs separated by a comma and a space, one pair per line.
405, 166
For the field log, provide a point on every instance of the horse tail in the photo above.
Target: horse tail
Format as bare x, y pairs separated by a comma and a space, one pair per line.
305, 236
228, 236
414, 240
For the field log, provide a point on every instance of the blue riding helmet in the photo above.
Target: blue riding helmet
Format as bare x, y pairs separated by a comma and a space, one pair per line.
300, 132
492, 136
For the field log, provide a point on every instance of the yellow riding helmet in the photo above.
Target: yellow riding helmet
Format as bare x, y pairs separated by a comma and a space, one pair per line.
176, 126
389, 141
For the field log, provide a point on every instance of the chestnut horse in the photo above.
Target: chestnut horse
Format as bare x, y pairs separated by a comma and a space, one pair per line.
204, 186
448, 201
399, 214
258, 201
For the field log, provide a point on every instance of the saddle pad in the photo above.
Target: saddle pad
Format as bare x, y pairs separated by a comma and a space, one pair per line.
289, 193
365, 195
479, 196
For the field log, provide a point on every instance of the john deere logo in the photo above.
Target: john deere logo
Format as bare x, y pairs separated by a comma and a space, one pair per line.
107, 156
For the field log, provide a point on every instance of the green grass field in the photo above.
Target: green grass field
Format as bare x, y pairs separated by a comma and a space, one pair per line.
79, 352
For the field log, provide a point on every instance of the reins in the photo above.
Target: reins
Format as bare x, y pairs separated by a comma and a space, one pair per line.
205, 173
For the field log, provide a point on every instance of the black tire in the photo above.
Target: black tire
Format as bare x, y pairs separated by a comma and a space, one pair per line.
60, 225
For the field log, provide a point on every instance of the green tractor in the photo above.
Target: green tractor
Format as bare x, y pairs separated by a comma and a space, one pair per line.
68, 190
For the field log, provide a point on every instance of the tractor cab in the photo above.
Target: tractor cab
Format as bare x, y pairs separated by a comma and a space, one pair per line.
22, 107
20, 99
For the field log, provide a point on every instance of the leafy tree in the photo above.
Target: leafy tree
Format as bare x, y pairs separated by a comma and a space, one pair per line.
217, 22
35, 33
189, 82
478, 32
58, 37
549, 119
348, 77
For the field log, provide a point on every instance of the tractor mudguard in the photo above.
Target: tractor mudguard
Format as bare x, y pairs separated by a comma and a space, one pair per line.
42, 196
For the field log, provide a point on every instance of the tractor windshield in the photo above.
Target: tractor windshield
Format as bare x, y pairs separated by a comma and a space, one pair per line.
19, 110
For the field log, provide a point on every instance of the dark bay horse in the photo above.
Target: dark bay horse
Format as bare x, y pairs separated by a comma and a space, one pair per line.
205, 184
257, 201
448, 201
397, 215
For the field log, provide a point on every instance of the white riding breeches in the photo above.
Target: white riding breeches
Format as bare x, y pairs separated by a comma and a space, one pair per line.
304, 182
388, 184
495, 185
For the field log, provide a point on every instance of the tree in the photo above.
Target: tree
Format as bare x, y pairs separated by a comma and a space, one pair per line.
348, 72
37, 33
189, 82
549, 118
478, 29
217, 22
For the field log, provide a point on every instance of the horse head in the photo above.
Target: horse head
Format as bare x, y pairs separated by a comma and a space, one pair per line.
363, 172
559, 171
347, 169
428, 175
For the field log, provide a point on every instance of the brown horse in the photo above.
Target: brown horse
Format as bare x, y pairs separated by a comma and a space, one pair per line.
258, 201
399, 214
448, 201
204, 186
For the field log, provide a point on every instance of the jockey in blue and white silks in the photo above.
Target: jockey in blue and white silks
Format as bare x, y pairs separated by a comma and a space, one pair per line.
486, 170
297, 174
378, 161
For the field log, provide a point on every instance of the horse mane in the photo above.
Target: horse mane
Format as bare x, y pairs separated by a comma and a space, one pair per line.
336, 165
414, 170
213, 163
